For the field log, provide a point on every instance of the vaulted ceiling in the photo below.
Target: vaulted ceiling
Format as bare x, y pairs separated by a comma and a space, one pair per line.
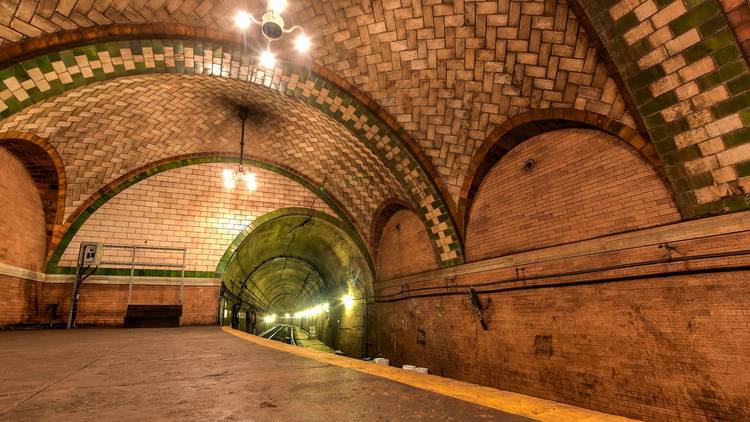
441, 75
447, 72
107, 130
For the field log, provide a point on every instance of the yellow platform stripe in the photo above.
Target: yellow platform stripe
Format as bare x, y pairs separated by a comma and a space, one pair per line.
506, 401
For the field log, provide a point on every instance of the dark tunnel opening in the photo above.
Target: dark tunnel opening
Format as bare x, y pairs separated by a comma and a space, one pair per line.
301, 277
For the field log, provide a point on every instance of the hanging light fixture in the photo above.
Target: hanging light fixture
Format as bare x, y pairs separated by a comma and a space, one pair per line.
240, 174
273, 28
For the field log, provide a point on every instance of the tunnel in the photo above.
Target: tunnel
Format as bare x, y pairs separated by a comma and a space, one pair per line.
304, 268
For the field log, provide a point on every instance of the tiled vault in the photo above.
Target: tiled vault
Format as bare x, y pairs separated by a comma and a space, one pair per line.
450, 72
447, 71
23, 85
106, 130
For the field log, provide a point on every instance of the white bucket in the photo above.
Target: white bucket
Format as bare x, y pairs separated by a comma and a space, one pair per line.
422, 370
409, 367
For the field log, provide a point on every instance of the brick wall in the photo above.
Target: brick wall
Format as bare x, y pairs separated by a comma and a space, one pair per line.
16, 300
26, 302
650, 324
652, 349
584, 184
189, 207
106, 304
23, 237
404, 247
22, 226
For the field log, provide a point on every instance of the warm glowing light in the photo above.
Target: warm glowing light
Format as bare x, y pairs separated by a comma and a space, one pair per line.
277, 6
232, 177
267, 59
348, 301
287, 316
250, 181
302, 43
242, 20
269, 318
312, 312
228, 176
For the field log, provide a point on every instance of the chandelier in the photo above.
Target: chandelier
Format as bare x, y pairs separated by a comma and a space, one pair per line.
240, 174
273, 28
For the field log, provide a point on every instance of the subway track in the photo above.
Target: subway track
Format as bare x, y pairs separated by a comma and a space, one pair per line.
281, 332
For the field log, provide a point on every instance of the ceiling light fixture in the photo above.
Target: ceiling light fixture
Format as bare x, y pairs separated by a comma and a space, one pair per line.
273, 28
240, 174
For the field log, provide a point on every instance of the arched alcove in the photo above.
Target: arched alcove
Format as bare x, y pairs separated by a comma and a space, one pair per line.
564, 186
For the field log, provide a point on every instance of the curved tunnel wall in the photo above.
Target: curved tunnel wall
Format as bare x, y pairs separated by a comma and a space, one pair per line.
294, 259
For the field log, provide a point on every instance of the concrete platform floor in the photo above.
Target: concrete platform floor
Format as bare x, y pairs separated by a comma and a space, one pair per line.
220, 374
197, 373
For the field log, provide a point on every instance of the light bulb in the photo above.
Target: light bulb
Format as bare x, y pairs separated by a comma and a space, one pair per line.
302, 43
242, 20
276, 6
267, 60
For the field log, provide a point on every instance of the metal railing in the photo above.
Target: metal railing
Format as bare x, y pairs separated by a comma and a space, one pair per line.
145, 257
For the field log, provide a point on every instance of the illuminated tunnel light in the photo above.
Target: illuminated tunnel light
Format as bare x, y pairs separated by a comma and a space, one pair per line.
311, 312
348, 301
269, 318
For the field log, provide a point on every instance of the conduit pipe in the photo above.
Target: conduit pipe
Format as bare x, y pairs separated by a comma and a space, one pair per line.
496, 286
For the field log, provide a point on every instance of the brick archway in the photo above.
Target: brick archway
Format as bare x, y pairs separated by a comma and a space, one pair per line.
77, 218
525, 126
46, 168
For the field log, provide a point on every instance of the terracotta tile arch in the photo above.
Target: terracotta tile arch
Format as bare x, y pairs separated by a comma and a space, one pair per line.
525, 126
686, 66
606, 58
75, 220
48, 172
738, 17
32, 47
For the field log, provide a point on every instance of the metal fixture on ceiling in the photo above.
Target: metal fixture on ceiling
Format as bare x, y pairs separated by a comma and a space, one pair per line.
273, 28
240, 174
